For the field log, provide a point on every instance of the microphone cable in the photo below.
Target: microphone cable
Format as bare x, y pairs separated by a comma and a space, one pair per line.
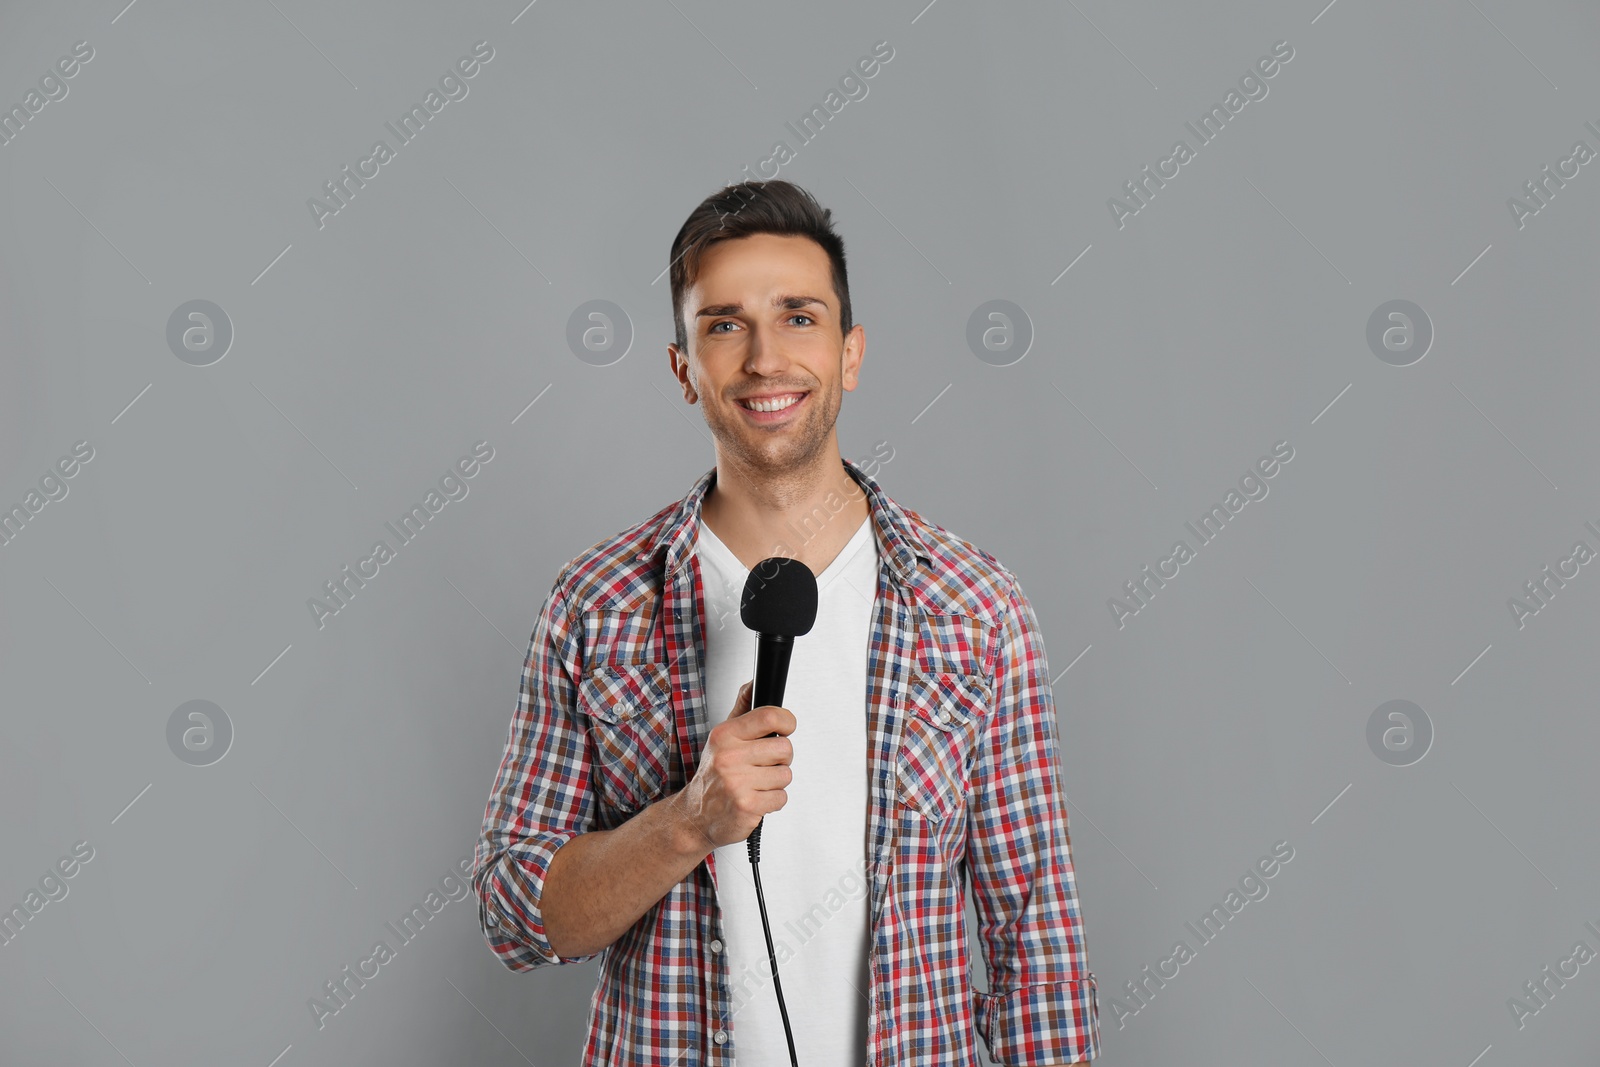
753, 844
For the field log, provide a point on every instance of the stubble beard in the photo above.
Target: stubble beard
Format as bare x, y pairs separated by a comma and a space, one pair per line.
778, 455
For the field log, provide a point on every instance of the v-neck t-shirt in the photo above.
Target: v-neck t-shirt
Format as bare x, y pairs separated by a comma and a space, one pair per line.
814, 848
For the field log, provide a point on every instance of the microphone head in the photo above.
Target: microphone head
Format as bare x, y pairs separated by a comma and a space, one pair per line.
780, 597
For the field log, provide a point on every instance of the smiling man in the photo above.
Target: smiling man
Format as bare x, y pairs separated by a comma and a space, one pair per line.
916, 753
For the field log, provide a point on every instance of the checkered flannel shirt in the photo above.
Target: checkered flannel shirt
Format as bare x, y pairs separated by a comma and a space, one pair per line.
962, 759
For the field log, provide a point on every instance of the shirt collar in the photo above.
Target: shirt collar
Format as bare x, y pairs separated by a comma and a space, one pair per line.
899, 543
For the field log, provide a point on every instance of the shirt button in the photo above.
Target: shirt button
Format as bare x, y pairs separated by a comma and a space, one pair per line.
720, 1036
716, 945
944, 715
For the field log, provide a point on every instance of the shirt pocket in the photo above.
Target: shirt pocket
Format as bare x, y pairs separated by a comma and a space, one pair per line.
629, 708
945, 715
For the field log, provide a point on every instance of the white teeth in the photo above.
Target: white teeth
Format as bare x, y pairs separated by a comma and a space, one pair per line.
771, 405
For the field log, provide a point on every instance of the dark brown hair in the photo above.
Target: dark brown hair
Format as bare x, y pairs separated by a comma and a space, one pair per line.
776, 207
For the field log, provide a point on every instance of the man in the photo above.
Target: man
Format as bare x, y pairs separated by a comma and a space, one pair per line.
916, 751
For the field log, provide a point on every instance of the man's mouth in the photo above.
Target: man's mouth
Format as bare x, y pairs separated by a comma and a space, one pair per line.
773, 403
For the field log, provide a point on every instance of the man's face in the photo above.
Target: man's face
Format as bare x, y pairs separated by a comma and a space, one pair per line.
763, 324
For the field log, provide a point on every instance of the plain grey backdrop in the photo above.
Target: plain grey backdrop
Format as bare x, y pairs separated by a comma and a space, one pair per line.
1147, 356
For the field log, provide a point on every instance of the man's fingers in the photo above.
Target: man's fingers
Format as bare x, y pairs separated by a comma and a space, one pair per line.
782, 719
778, 719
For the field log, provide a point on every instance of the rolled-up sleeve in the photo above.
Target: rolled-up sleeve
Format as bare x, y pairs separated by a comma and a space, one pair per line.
541, 797
1040, 1007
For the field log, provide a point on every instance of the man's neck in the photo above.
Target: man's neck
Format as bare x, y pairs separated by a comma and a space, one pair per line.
809, 514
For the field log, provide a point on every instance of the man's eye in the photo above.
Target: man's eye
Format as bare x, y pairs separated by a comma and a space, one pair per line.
800, 315
725, 322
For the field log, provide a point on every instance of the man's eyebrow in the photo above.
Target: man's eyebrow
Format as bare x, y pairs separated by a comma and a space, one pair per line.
787, 303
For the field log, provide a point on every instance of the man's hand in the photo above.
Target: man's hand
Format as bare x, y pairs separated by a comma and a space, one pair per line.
599, 883
742, 772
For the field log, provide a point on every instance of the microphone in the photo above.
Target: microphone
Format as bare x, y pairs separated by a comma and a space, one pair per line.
779, 604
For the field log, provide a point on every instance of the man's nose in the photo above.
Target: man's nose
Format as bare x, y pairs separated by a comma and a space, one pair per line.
764, 355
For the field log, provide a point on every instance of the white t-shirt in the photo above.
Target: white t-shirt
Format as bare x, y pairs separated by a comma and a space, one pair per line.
813, 849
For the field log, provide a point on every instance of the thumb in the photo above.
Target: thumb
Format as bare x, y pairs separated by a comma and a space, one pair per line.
741, 703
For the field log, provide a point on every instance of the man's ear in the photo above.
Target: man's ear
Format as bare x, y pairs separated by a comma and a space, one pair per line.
855, 349
683, 371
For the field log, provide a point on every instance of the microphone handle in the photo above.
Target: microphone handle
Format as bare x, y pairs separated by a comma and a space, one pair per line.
772, 674
772, 669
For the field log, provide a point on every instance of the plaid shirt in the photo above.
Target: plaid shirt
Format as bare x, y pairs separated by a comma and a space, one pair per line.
964, 784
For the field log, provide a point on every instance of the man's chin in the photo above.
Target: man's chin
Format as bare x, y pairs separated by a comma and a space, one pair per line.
772, 457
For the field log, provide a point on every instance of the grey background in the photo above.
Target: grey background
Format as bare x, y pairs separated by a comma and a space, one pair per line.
1229, 314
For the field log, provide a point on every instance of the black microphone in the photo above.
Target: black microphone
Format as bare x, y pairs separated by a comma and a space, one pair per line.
779, 604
